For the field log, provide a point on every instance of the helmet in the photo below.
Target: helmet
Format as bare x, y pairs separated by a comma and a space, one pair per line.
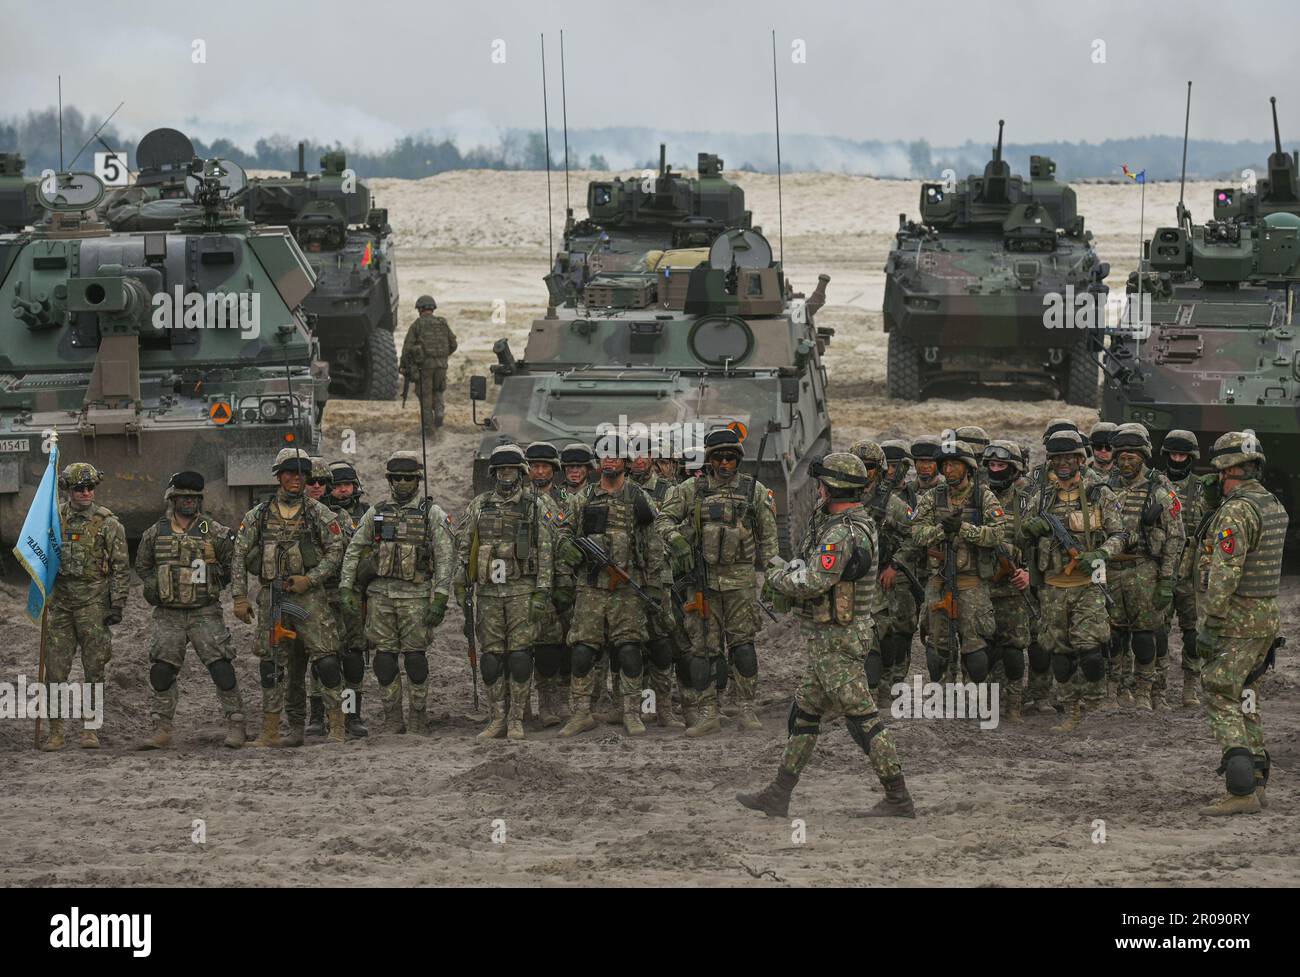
952, 446
1058, 424
79, 473
872, 455
723, 439
1008, 451
974, 436
840, 469
425, 302
1181, 441
291, 460
1102, 434
611, 445
507, 456
1236, 448
1066, 442
1132, 437
926, 447
342, 471
543, 451
402, 463
577, 454
896, 449
319, 469
184, 483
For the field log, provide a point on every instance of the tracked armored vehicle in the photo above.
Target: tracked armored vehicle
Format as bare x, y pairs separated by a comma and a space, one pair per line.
683, 341
971, 289
349, 243
153, 351
1208, 343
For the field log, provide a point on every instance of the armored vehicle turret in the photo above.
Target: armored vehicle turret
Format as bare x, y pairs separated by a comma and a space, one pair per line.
18, 206
986, 286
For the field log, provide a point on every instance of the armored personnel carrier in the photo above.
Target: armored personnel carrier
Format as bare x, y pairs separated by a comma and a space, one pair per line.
1214, 347
18, 206
683, 341
349, 243
153, 351
986, 286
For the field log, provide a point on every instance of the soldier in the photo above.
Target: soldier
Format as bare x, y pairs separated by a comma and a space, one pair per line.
89, 592
974, 436
963, 514
830, 591
608, 618
292, 544
731, 519
344, 500
410, 540
898, 457
184, 560
551, 658
1006, 477
1074, 628
429, 342
925, 460
1141, 577
1238, 571
318, 487
504, 553
1103, 452
579, 464
1180, 449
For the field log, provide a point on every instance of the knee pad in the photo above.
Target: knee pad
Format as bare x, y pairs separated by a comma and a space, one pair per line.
861, 735
629, 660
894, 649
491, 666
800, 723
1062, 667
745, 658
1162, 644
1013, 662
683, 669
875, 667
546, 659
1144, 647
935, 663
520, 664
720, 673
977, 665
162, 675
417, 667
701, 672
354, 666
385, 667
223, 675
1040, 659
1238, 769
328, 671
1093, 664
581, 658
661, 653
269, 673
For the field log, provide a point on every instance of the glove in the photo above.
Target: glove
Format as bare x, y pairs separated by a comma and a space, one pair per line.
113, 615
539, 606
567, 552
1211, 490
1037, 527
770, 594
951, 523
436, 611
1207, 643
562, 598
299, 583
348, 600
887, 576
1086, 560
461, 592
244, 610
1164, 594
680, 556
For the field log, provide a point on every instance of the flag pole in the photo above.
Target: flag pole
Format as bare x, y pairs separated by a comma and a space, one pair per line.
40, 676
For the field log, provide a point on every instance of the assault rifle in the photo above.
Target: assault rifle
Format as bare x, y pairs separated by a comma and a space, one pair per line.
281, 607
1070, 547
949, 603
600, 560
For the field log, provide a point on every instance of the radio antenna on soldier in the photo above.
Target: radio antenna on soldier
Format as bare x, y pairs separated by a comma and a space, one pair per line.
564, 109
776, 101
1182, 180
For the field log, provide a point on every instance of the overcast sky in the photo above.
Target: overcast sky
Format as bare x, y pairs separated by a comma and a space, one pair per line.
366, 73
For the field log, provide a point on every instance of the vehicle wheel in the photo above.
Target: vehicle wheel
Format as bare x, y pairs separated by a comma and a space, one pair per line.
903, 369
381, 366
1081, 386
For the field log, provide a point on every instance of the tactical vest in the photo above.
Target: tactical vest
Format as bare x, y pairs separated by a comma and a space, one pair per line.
1189, 491
725, 522
850, 598
505, 538
286, 547
611, 521
178, 558
1080, 510
403, 542
1134, 500
970, 558
85, 550
658, 491
1262, 571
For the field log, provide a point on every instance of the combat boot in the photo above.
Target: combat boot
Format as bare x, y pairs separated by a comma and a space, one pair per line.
1142, 699
747, 719
690, 708
606, 710
162, 735
1112, 695
55, 740
774, 799
706, 714
316, 720
666, 713
334, 720
353, 724
518, 707
1158, 701
270, 730
580, 717
417, 708
236, 734
730, 705
1073, 717
1191, 690
1013, 706
393, 720
897, 802
1232, 804
547, 712
632, 724
496, 727
89, 740
295, 737
1125, 697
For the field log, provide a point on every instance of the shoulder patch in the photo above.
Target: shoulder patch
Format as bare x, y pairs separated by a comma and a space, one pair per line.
1176, 505
1227, 540
997, 512
828, 559
334, 527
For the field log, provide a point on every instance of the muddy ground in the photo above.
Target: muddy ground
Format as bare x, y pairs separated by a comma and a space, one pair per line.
1017, 805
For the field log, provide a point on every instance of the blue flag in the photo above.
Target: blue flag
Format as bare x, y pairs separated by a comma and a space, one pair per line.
41, 539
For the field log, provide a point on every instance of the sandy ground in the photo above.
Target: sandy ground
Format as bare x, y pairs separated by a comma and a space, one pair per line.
1011, 806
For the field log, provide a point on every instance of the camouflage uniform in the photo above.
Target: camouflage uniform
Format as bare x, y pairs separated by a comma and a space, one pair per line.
1195, 508
731, 520
183, 568
551, 658
352, 626
831, 591
925, 451
291, 535
903, 618
1239, 567
428, 344
504, 552
1137, 576
410, 539
88, 595
1011, 613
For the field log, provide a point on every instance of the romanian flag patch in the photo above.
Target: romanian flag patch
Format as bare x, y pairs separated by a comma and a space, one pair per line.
1227, 541
997, 512
828, 548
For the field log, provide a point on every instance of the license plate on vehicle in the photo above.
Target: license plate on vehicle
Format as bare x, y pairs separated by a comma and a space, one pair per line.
15, 444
